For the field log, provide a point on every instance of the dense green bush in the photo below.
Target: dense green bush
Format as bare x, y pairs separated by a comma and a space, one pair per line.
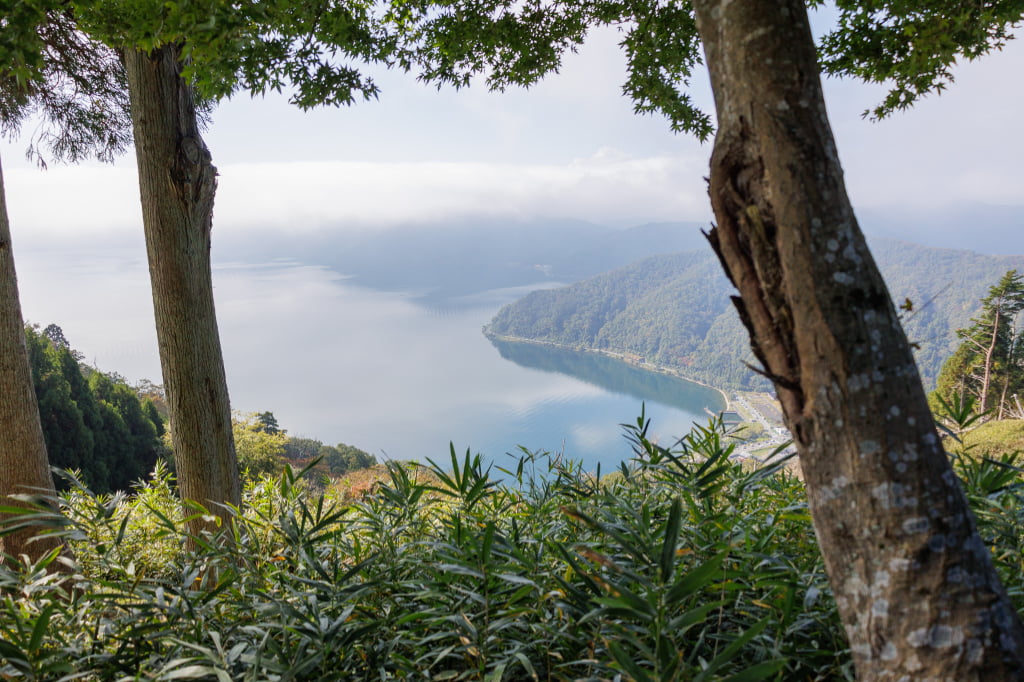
684, 565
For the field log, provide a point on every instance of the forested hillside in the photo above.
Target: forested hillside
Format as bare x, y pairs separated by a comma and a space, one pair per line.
674, 310
93, 423
112, 434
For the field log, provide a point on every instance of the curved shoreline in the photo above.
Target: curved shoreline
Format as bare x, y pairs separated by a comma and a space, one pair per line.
646, 366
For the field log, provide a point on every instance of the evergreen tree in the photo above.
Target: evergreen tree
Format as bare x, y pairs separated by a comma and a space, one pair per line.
267, 422
134, 449
69, 440
989, 364
97, 426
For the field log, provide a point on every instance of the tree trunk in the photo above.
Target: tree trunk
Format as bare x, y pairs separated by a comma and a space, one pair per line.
914, 583
177, 182
24, 468
1001, 407
990, 357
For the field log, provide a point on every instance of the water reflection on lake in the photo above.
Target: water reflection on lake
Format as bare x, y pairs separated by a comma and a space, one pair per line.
375, 369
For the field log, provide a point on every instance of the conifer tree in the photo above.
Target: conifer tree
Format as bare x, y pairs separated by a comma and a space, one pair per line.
989, 365
74, 90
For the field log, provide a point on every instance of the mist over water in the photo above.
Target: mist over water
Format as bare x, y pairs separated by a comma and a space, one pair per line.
396, 373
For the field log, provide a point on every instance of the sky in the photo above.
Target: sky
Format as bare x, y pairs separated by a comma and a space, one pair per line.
569, 147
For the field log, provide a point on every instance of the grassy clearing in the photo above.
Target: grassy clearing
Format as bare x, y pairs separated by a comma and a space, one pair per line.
681, 566
994, 438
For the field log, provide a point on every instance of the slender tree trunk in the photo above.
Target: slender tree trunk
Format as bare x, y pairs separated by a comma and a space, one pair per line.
990, 357
24, 468
177, 182
1001, 408
914, 583
1014, 369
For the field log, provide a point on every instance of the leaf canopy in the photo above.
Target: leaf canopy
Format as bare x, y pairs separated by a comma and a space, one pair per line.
913, 45
73, 86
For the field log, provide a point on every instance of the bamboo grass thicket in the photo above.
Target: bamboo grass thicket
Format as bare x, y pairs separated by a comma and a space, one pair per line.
681, 565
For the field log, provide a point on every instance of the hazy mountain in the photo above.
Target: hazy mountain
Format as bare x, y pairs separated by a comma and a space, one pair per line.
984, 228
448, 260
674, 310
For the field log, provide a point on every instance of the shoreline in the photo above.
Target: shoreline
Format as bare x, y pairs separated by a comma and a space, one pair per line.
622, 357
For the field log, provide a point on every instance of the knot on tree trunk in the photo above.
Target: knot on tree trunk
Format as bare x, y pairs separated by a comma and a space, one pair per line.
746, 242
195, 178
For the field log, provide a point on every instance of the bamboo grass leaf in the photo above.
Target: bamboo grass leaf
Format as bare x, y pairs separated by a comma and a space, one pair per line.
696, 579
668, 547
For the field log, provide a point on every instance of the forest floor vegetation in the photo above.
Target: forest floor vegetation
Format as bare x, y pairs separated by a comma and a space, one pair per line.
681, 565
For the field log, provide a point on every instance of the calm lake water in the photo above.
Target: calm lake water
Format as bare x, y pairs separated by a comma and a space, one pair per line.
380, 370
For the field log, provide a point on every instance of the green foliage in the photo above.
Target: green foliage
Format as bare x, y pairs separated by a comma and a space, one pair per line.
263, 447
989, 460
995, 438
302, 448
912, 46
320, 51
674, 310
340, 458
259, 449
988, 366
686, 567
20, 44
267, 422
343, 458
682, 566
96, 425
71, 87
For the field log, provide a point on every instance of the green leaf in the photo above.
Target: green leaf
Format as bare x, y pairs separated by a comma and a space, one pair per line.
668, 547
39, 630
626, 662
190, 672
461, 570
687, 620
731, 651
758, 671
696, 579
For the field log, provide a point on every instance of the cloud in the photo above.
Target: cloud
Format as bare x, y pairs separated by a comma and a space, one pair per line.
68, 199
608, 187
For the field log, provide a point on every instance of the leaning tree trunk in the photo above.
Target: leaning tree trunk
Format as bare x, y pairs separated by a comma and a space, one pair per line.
24, 467
914, 583
177, 182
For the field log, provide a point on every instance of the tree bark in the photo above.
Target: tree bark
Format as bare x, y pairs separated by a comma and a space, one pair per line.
177, 181
914, 583
24, 467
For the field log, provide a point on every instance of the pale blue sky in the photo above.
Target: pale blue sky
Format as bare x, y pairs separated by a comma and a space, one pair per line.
570, 147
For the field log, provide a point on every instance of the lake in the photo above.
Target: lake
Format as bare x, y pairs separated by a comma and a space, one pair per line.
393, 372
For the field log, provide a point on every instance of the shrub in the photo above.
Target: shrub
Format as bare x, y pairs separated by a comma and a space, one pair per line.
681, 566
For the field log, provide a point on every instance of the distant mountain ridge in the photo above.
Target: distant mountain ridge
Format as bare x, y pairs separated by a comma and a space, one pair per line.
674, 310
449, 260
